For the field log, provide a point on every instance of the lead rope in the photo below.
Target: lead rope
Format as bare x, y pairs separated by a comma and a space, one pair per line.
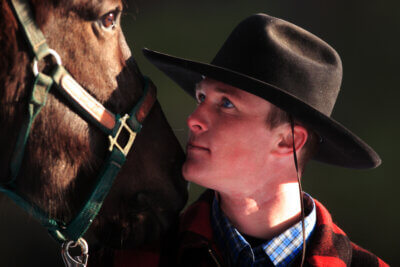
301, 195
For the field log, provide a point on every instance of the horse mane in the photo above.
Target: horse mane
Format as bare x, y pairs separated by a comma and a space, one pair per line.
9, 52
12, 65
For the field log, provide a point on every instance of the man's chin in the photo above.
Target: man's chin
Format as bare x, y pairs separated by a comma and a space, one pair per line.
199, 174
191, 172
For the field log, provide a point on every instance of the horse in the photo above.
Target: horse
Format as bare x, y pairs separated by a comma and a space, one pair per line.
64, 151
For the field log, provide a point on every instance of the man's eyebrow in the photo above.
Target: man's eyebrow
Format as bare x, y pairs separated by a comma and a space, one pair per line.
230, 92
221, 90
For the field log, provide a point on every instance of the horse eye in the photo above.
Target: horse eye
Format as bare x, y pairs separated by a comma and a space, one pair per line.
108, 20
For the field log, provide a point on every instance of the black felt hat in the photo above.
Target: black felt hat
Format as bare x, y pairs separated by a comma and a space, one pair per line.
289, 67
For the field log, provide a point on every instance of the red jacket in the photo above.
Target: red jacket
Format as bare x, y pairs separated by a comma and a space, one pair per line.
196, 246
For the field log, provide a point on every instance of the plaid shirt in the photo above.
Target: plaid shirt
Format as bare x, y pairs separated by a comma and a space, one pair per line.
279, 251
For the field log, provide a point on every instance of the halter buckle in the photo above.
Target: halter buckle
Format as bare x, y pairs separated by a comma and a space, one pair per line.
114, 140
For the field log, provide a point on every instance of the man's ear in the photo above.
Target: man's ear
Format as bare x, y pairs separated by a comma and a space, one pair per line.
284, 146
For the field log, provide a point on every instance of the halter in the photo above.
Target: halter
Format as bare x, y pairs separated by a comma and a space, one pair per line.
90, 110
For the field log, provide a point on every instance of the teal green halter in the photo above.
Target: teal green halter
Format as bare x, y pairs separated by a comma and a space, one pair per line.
88, 108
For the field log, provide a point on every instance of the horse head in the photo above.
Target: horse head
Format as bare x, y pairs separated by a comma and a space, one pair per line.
64, 152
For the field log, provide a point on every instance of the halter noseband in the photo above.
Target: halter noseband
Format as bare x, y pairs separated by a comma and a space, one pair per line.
88, 108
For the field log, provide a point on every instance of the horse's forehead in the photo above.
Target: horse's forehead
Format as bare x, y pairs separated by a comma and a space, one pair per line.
100, 5
94, 2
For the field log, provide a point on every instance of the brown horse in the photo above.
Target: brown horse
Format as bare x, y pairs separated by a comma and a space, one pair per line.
64, 152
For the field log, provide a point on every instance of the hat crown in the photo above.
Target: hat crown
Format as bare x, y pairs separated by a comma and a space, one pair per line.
284, 55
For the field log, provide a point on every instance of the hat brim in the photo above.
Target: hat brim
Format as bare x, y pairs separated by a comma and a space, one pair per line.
338, 146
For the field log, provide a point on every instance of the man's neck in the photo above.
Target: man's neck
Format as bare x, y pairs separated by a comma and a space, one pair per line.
265, 213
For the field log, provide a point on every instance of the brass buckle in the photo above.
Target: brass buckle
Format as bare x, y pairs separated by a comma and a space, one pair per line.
114, 141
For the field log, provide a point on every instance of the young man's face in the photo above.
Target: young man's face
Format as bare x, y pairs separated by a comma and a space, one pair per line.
229, 139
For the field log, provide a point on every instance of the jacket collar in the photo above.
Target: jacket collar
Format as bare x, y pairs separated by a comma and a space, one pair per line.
327, 244
197, 218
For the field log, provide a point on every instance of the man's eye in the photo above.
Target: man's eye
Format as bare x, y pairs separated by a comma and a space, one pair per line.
108, 21
200, 97
226, 103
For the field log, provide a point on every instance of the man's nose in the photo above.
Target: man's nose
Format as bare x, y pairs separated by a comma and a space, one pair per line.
197, 121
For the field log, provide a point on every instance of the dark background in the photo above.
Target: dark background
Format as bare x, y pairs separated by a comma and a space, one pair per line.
365, 34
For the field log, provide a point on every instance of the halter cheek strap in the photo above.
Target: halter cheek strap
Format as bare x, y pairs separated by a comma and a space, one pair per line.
132, 123
89, 109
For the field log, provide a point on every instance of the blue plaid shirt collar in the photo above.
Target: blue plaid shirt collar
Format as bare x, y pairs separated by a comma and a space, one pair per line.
280, 250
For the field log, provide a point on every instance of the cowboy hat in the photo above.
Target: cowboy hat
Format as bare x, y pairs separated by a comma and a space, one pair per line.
287, 66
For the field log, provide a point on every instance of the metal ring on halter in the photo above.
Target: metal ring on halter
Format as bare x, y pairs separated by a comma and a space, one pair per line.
75, 261
52, 52
82, 243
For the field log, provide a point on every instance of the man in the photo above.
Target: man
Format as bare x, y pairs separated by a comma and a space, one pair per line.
264, 106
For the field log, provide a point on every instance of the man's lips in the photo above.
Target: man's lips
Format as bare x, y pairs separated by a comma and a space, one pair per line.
196, 147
